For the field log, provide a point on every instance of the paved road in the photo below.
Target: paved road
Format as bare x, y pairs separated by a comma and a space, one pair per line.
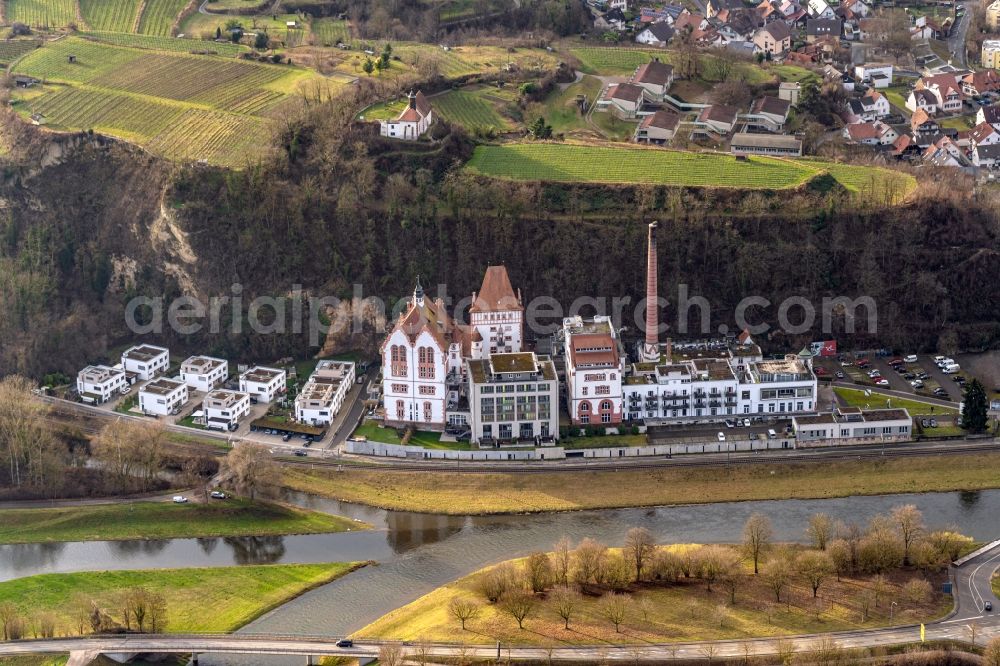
956, 42
972, 589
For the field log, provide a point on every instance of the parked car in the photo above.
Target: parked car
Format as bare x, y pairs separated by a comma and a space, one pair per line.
300, 453
746, 423
286, 437
730, 423
934, 423
840, 374
882, 381
917, 384
218, 494
126, 390
179, 499
938, 358
722, 436
909, 376
910, 358
988, 607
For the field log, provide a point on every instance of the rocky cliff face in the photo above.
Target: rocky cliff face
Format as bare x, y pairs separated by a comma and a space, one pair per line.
87, 224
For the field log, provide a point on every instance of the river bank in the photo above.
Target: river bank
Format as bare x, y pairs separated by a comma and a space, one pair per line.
538, 492
165, 519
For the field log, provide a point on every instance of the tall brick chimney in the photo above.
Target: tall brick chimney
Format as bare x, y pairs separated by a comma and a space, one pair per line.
651, 347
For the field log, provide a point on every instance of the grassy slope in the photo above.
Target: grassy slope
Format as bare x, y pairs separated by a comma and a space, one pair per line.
34, 660
160, 520
683, 611
619, 164
205, 600
563, 491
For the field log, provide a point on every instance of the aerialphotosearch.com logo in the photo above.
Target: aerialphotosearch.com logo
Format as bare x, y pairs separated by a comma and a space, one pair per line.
298, 312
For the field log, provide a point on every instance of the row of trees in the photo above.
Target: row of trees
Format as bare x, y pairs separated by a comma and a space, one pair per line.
566, 575
134, 609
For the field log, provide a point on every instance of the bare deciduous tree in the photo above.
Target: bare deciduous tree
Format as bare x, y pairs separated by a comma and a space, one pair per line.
390, 655
497, 582
815, 566
463, 610
910, 524
589, 559
538, 571
614, 608
777, 573
26, 442
640, 544
563, 558
565, 602
757, 533
820, 530
519, 605
250, 470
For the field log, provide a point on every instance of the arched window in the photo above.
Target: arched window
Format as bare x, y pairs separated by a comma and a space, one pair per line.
425, 358
397, 356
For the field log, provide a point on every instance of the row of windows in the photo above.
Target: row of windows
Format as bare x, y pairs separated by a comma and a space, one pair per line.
514, 388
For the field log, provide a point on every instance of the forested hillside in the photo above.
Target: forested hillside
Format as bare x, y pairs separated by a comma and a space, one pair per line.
103, 222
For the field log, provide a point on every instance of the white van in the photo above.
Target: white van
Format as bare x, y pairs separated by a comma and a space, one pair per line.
771, 434
951, 369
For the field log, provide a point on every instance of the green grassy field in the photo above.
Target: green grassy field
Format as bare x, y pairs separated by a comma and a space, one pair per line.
198, 600
614, 60
560, 109
625, 165
35, 660
14, 49
470, 109
182, 106
329, 31
579, 163
857, 398
41, 13
464, 494
682, 611
426, 439
110, 15
159, 16
163, 520
160, 43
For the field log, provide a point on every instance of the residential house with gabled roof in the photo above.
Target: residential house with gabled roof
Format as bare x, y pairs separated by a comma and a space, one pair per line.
986, 156
412, 122
655, 34
655, 78
623, 99
905, 147
983, 134
817, 28
945, 153
873, 106
947, 90
718, 118
714, 7
922, 123
774, 38
819, 9
658, 127
983, 81
769, 113
922, 100
993, 15
989, 114
871, 134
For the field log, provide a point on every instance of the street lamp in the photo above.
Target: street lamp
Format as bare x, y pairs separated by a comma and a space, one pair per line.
892, 608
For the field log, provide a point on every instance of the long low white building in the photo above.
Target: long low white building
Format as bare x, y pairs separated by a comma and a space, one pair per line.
718, 383
163, 396
322, 396
99, 383
853, 425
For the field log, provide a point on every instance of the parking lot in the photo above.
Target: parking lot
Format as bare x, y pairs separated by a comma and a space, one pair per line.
924, 369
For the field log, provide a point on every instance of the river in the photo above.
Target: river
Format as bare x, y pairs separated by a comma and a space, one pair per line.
418, 552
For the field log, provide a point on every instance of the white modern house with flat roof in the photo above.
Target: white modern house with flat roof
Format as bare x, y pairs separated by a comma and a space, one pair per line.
99, 383
163, 396
204, 373
320, 400
263, 384
145, 361
513, 398
224, 408
853, 425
